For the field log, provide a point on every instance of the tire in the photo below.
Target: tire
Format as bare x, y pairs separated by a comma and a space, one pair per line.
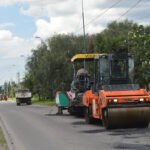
71, 111
18, 104
88, 115
144, 124
29, 103
105, 119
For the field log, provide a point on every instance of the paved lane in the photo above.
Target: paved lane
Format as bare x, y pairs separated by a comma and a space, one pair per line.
38, 128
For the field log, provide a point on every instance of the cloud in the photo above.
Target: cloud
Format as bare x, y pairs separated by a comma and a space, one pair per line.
13, 46
5, 35
56, 25
6, 24
11, 2
66, 16
50, 8
35, 11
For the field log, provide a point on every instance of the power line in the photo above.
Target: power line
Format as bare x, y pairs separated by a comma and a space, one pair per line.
100, 15
103, 12
146, 17
130, 9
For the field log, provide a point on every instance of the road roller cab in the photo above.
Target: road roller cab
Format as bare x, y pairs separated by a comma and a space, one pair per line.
82, 81
114, 99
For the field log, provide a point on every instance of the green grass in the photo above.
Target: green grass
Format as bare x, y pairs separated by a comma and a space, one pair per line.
36, 101
12, 98
43, 102
3, 143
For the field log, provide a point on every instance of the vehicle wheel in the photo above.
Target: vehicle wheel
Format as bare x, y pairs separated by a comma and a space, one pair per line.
71, 111
80, 113
144, 124
18, 104
88, 115
28, 103
105, 119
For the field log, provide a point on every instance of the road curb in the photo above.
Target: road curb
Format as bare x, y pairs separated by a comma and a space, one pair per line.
7, 135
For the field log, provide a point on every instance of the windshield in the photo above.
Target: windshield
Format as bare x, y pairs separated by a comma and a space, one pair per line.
131, 69
119, 69
104, 71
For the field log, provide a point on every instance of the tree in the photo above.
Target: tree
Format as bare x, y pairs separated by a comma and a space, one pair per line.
49, 68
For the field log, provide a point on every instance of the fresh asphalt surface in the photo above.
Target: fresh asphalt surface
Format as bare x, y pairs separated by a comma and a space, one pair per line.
38, 128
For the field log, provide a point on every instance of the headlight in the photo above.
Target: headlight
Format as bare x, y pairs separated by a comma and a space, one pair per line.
115, 100
141, 99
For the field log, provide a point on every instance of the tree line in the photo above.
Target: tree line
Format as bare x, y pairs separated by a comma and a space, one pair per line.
49, 68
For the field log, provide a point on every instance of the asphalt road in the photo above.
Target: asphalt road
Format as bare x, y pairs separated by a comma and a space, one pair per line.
38, 128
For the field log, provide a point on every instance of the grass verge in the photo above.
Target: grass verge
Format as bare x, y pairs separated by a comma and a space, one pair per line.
3, 143
12, 98
36, 101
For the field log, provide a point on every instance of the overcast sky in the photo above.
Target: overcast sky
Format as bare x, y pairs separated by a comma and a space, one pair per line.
22, 20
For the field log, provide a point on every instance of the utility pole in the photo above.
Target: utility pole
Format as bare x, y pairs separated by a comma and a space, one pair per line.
18, 79
84, 37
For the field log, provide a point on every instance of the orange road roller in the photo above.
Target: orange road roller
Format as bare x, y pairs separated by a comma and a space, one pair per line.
114, 98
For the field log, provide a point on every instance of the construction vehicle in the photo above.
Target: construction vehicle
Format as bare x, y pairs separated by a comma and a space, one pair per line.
23, 96
113, 98
82, 82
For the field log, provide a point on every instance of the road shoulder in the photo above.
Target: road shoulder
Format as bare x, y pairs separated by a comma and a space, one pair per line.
9, 143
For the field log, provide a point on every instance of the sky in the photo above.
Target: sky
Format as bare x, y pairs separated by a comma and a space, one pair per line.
21, 21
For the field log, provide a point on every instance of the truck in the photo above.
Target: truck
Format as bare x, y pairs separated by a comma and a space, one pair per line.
23, 96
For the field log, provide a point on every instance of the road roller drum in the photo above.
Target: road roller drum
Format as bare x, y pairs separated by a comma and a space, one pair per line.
126, 117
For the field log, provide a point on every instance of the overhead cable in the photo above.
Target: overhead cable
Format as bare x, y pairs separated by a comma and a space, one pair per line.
128, 10
100, 15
